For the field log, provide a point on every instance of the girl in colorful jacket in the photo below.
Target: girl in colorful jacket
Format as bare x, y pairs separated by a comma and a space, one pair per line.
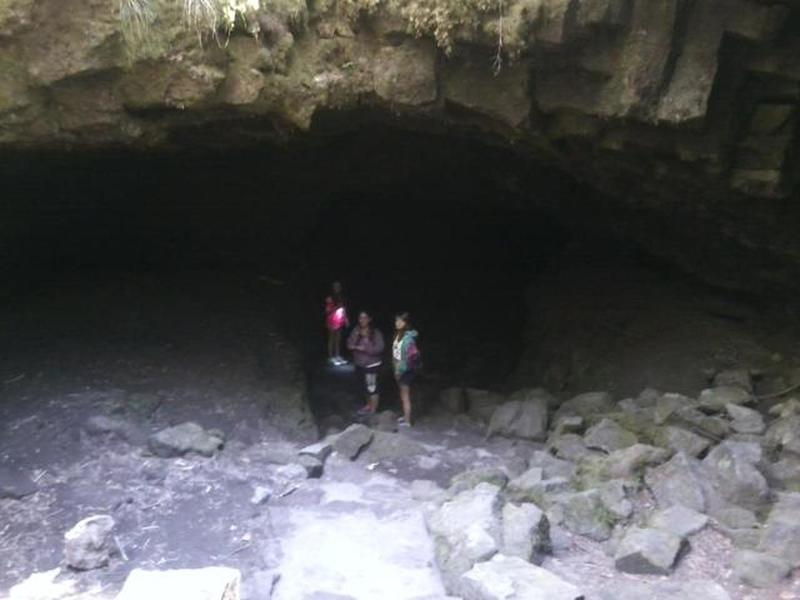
405, 357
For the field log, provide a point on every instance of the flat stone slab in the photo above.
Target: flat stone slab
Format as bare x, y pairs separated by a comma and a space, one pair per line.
759, 569
511, 578
679, 520
693, 589
648, 551
210, 583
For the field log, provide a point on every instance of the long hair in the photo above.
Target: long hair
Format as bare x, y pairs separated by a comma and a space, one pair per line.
406, 318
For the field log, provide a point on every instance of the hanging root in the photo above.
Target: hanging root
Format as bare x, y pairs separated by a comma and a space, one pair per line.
497, 63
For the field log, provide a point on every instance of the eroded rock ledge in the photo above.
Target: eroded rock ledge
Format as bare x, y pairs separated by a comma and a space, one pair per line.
678, 107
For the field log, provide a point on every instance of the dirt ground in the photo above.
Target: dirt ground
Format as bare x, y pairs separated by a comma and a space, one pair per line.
155, 353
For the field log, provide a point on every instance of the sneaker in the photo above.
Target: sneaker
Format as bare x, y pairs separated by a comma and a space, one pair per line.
401, 422
365, 411
341, 361
332, 361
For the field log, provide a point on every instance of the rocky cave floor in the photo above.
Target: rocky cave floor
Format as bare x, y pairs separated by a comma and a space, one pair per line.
85, 389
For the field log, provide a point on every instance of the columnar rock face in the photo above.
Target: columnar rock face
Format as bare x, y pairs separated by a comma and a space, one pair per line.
684, 109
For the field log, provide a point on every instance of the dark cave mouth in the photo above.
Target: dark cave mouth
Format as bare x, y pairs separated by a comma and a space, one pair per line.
455, 230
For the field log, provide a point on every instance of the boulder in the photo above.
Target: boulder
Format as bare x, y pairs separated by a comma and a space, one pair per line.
210, 583
466, 530
679, 481
525, 419
426, 490
511, 578
692, 589
568, 446
390, 446
531, 487
781, 534
320, 450
785, 473
734, 378
668, 404
736, 517
569, 424
609, 436
784, 434
630, 462
454, 400
183, 439
745, 420
759, 569
648, 551
735, 477
350, 442
586, 514
679, 439
614, 496
88, 544
103, 425
717, 398
585, 405
679, 520
551, 466
313, 466
15, 484
385, 421
481, 404
470, 479
526, 532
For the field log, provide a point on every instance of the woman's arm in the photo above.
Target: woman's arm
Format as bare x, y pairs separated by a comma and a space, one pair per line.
352, 340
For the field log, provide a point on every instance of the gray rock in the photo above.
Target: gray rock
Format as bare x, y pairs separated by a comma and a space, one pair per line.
585, 405
586, 514
614, 496
679, 520
385, 421
88, 544
520, 418
466, 530
390, 446
182, 439
321, 450
679, 481
732, 466
717, 398
784, 434
426, 490
551, 466
745, 420
568, 446
702, 423
526, 532
736, 517
630, 462
454, 399
570, 424
648, 551
734, 378
313, 466
679, 439
352, 440
781, 534
668, 404
470, 479
511, 578
15, 484
609, 436
261, 495
759, 569
647, 398
482, 403
785, 473
530, 487
103, 425
210, 583
693, 589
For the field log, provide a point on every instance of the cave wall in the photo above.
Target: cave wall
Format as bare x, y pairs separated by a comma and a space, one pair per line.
684, 113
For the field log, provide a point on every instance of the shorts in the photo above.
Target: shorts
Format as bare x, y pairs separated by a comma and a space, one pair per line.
407, 378
369, 377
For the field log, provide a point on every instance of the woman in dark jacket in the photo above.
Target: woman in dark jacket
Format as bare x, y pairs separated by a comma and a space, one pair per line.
366, 344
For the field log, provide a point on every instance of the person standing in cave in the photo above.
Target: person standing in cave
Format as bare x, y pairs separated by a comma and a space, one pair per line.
366, 344
335, 320
406, 361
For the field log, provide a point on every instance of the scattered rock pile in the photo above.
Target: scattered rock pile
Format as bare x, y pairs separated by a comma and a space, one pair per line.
702, 461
